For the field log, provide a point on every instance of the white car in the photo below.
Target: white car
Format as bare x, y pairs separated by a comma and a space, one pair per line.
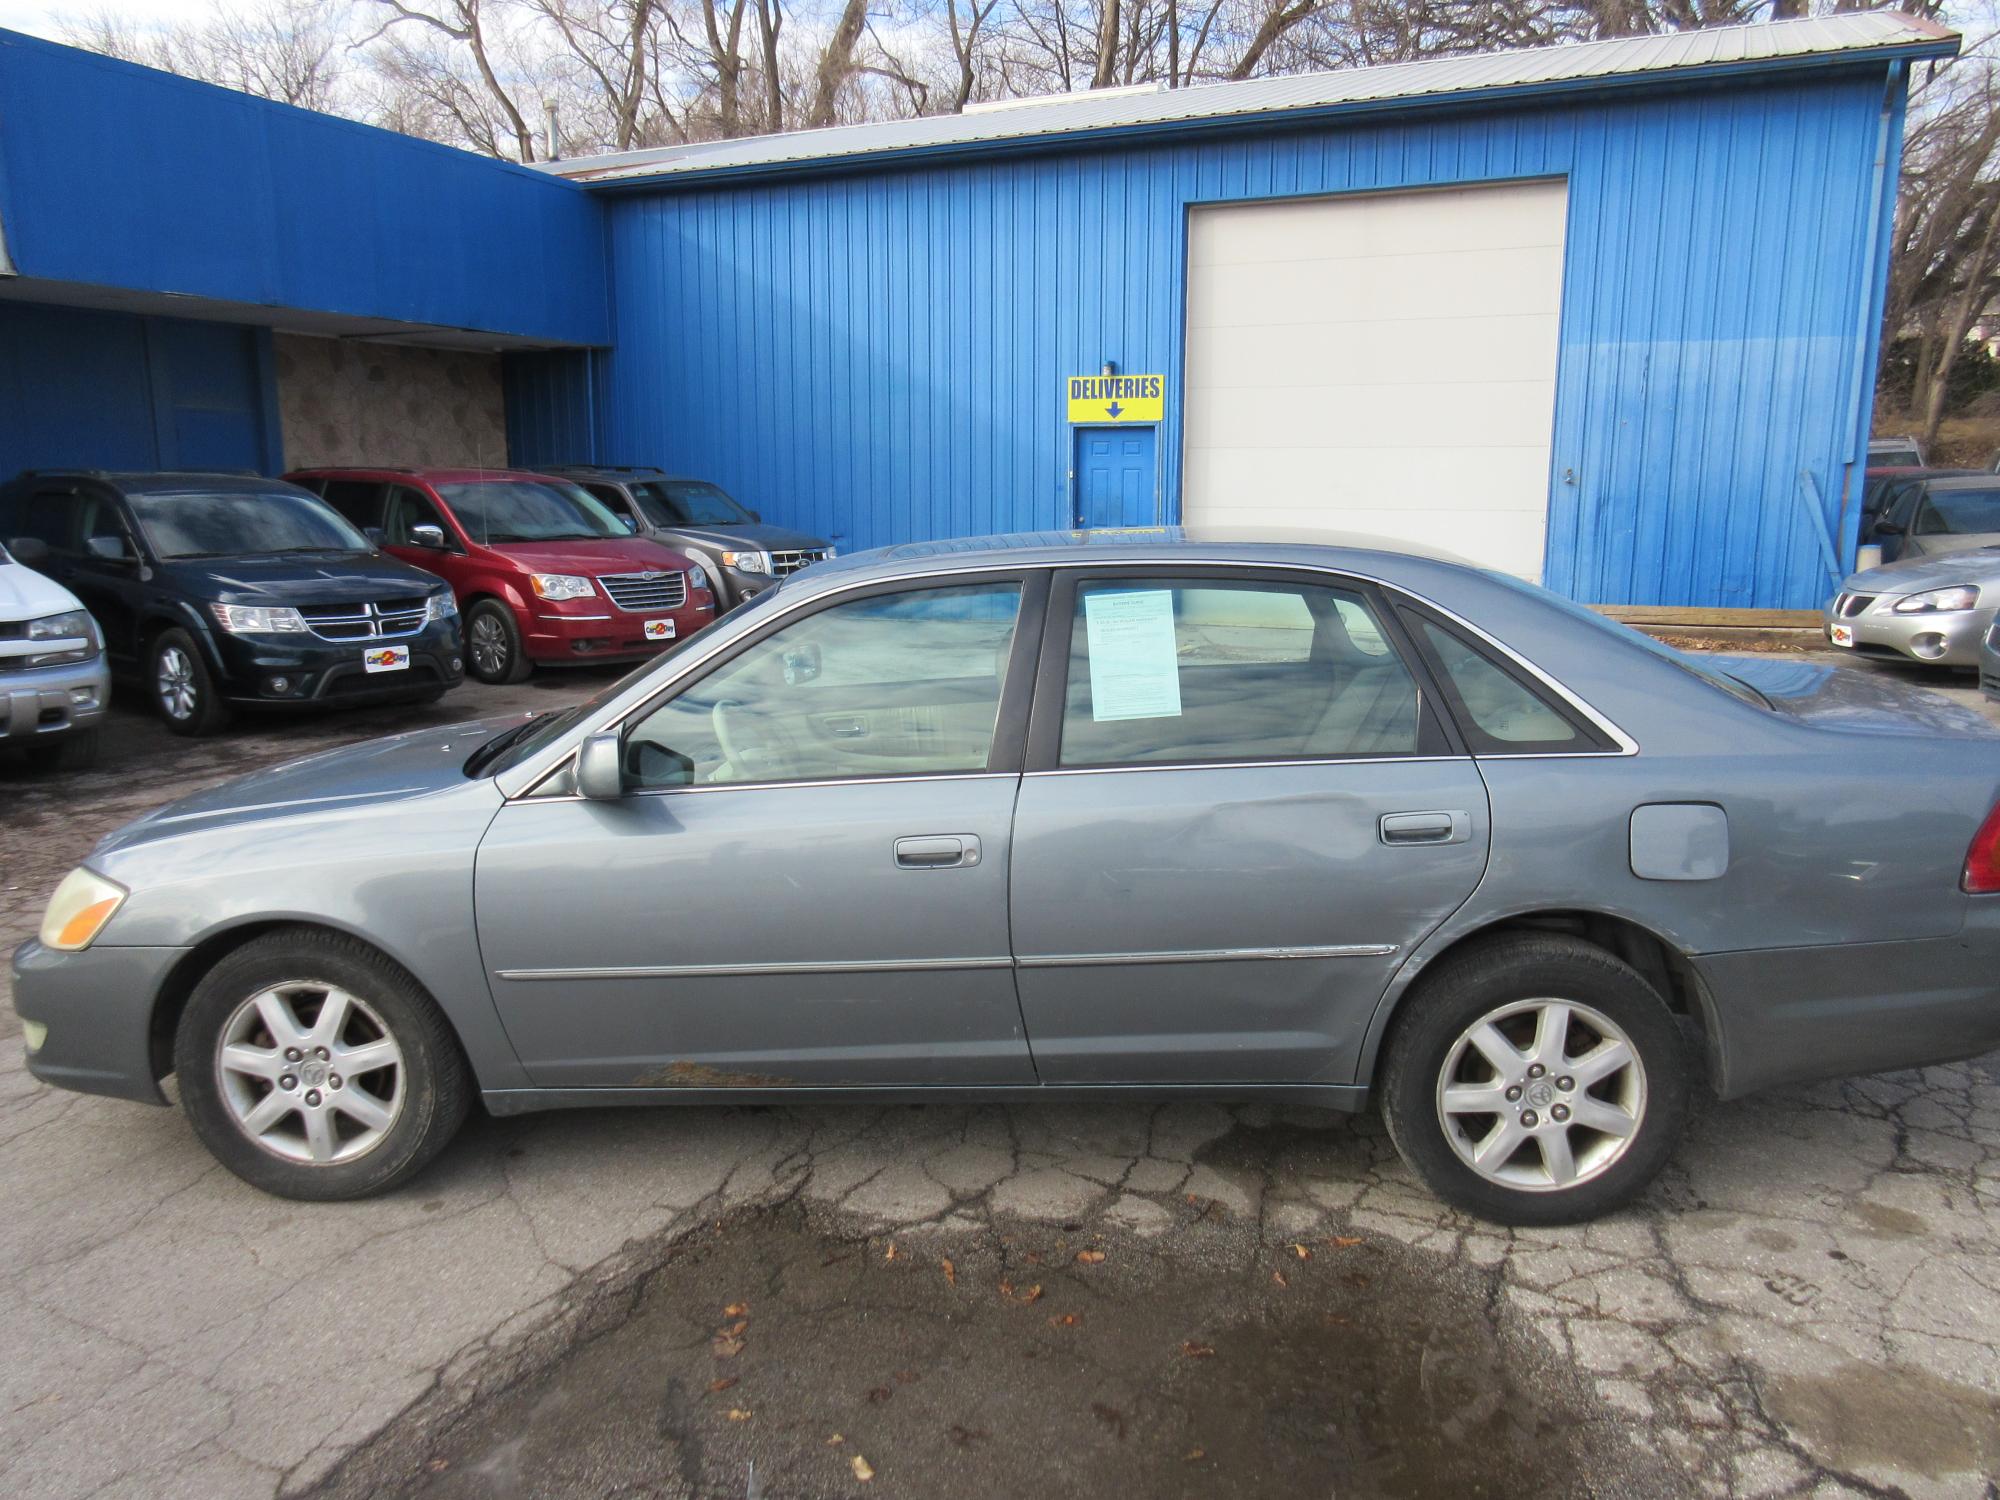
53, 679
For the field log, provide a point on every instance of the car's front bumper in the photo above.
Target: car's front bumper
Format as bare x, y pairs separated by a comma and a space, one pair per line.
295, 669
37, 704
1944, 639
97, 1008
596, 630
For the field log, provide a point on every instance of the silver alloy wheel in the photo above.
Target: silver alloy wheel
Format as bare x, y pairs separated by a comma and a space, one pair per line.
310, 1072
489, 644
175, 683
1540, 1095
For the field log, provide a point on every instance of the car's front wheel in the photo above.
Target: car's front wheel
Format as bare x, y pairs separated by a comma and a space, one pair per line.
1535, 1079
493, 644
184, 690
312, 1067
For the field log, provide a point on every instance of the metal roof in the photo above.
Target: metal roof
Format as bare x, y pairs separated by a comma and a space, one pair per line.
1640, 59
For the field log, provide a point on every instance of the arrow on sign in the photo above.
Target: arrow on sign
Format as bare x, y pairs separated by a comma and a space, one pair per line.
1112, 410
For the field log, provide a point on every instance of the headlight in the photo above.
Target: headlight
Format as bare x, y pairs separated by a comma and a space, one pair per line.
67, 626
560, 585
1938, 601
78, 910
256, 619
697, 577
441, 606
831, 552
747, 562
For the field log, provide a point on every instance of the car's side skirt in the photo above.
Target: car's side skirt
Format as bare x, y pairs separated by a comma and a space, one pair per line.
1348, 1098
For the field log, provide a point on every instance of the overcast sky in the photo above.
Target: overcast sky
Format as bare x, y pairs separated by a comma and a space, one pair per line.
45, 17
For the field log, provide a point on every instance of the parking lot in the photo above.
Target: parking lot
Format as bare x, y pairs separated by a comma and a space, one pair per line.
927, 1300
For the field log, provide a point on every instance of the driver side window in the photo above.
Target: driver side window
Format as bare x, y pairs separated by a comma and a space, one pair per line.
903, 684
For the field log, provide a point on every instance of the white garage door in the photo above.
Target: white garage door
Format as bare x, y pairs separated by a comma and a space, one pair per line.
1382, 364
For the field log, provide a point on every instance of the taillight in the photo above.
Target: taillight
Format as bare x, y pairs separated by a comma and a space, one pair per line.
1982, 860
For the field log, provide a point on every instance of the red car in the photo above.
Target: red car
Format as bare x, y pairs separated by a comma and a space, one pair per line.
543, 572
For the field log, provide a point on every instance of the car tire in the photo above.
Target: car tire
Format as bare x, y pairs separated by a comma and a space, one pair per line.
183, 691
75, 751
1486, 1022
493, 652
259, 1058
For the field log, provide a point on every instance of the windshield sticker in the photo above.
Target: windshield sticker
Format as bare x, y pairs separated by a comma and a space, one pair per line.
1134, 661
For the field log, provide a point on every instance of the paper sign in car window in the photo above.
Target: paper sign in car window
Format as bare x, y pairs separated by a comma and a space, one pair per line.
1134, 661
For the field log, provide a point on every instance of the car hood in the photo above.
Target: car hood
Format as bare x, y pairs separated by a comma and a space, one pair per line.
611, 554
1946, 544
298, 578
756, 536
402, 767
1854, 698
1909, 575
28, 595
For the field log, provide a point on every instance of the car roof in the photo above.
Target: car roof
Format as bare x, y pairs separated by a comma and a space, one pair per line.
1968, 479
438, 475
167, 481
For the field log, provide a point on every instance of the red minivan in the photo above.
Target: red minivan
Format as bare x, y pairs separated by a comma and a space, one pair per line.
543, 572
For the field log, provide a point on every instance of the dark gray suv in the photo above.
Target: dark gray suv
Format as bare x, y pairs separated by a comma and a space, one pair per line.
743, 555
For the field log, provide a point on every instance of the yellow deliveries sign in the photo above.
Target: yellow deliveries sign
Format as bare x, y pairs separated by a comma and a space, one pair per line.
1117, 398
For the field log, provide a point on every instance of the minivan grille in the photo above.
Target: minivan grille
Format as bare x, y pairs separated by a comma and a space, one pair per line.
1847, 606
643, 591
784, 564
370, 621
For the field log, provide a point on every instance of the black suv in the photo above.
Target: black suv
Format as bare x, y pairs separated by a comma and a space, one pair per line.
742, 555
221, 589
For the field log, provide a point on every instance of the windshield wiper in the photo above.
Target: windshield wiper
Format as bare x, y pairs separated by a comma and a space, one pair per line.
488, 752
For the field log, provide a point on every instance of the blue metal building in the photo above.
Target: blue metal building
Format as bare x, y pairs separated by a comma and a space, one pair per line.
1605, 314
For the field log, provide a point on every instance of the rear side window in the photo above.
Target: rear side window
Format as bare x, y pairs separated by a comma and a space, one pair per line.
1189, 671
1499, 710
359, 500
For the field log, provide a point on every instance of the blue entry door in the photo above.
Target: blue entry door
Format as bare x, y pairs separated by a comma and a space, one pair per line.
1115, 483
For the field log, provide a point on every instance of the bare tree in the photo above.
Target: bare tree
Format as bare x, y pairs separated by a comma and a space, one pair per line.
288, 50
464, 25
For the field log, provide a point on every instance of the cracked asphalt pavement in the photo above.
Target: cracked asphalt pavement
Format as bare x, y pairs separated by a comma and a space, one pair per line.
697, 1302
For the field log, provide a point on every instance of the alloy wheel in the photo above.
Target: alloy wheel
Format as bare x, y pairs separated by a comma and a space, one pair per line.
310, 1073
489, 645
174, 681
1540, 1095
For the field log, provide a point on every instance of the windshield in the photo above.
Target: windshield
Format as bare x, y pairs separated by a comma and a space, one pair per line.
1894, 458
242, 525
688, 502
529, 510
1962, 512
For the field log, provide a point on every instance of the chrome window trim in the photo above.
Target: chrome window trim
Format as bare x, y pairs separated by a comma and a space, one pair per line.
1254, 765
531, 772
887, 777
757, 971
1204, 955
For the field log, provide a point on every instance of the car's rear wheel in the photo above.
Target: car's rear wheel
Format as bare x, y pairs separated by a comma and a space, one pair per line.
493, 651
312, 1067
1535, 1079
183, 690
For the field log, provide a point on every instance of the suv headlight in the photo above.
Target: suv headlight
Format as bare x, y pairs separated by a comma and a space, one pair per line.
70, 625
697, 577
747, 562
1938, 601
831, 551
442, 605
258, 619
78, 910
560, 586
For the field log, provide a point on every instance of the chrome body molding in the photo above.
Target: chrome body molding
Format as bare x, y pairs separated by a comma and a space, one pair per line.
1205, 956
919, 965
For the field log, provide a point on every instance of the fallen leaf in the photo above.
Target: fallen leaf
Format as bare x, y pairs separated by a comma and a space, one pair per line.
1194, 1455
950, 1271
1090, 1257
890, 1253
1032, 1257
725, 1346
1064, 1320
835, 1441
723, 1384
738, 1414
877, 1394
438, 1465
735, 1330
1344, 1241
1197, 1351
1301, 1252
1279, 1277
863, 1470
736, 1309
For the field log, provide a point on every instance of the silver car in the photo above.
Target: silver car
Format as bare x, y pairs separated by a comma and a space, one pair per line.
1081, 817
1934, 610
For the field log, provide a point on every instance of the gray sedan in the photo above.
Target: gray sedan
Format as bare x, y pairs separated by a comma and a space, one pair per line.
1078, 816
1933, 610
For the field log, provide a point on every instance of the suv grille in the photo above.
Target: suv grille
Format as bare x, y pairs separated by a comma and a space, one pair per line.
1847, 606
639, 592
364, 622
784, 564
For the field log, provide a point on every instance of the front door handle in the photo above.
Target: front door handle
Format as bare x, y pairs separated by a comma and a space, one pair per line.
1426, 827
937, 851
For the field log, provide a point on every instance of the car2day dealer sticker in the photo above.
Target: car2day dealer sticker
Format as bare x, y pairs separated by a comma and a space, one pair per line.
385, 658
659, 630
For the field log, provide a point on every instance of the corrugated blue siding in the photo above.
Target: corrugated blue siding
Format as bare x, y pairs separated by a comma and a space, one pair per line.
878, 357
549, 406
115, 175
111, 391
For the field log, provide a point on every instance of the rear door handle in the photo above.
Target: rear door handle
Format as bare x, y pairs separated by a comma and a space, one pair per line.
937, 851
1426, 827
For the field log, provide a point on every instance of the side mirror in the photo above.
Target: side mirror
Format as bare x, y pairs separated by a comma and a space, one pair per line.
1887, 528
757, 515
108, 549
427, 536
375, 534
31, 550
598, 776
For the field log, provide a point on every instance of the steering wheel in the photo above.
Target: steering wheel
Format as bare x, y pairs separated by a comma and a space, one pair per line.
773, 750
